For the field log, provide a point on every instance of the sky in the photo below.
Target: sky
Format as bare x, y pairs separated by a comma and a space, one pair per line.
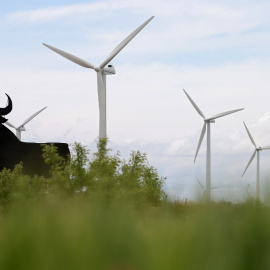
218, 51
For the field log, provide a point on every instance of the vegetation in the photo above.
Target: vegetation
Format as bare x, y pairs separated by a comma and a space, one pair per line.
104, 175
105, 213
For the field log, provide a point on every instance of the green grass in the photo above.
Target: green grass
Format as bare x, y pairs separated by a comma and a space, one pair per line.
110, 214
79, 233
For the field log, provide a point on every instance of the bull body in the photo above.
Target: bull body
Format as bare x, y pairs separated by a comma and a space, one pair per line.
13, 151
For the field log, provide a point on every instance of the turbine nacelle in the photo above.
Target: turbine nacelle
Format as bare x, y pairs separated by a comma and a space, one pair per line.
261, 148
22, 128
209, 121
108, 70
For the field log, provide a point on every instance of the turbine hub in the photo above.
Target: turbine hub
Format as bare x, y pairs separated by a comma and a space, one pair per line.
97, 69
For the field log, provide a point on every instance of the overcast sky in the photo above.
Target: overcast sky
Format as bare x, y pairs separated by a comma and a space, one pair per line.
218, 51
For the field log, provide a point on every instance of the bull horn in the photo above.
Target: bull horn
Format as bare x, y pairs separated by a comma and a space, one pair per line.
6, 110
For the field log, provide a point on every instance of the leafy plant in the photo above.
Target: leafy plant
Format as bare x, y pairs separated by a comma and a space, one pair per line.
104, 174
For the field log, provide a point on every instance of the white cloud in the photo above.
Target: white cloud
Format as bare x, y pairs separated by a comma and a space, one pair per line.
184, 18
179, 28
56, 13
265, 117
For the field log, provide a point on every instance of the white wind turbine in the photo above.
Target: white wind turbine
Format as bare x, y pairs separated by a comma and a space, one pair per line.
21, 127
207, 122
257, 150
102, 71
204, 189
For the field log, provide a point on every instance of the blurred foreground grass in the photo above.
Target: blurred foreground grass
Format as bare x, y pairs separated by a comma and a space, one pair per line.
109, 214
101, 234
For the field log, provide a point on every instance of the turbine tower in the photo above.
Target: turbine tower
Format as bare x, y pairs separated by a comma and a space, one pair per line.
21, 127
207, 122
102, 70
257, 150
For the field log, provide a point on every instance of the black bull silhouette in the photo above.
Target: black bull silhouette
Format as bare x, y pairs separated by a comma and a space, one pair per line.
13, 151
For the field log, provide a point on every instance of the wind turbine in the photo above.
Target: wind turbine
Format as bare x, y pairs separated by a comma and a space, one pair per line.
102, 70
257, 150
207, 122
21, 127
204, 189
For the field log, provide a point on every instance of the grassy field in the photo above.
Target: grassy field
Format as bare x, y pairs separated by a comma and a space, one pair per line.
106, 234
110, 214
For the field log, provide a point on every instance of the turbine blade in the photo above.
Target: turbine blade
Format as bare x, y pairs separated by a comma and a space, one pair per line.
200, 140
194, 105
201, 184
71, 57
9, 124
31, 117
252, 140
123, 44
252, 157
223, 114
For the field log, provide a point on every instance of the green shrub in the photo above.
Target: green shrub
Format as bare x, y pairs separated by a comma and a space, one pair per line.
102, 175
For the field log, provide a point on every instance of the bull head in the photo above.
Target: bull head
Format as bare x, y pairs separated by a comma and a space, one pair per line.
6, 110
